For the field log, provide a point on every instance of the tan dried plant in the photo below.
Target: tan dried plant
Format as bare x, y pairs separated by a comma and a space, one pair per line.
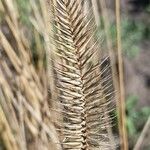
83, 84
78, 113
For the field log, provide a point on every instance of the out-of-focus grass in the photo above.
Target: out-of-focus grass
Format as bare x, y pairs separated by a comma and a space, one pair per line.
133, 34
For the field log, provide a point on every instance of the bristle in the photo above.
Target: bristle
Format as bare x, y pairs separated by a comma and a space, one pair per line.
85, 92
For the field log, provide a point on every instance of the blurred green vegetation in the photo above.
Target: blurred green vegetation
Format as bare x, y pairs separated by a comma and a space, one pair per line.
24, 9
136, 118
25, 13
133, 34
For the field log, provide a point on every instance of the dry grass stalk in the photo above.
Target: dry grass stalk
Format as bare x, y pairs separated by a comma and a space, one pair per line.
24, 94
6, 133
96, 12
122, 116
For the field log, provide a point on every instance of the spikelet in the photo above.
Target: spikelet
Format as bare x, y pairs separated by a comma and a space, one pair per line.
84, 87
